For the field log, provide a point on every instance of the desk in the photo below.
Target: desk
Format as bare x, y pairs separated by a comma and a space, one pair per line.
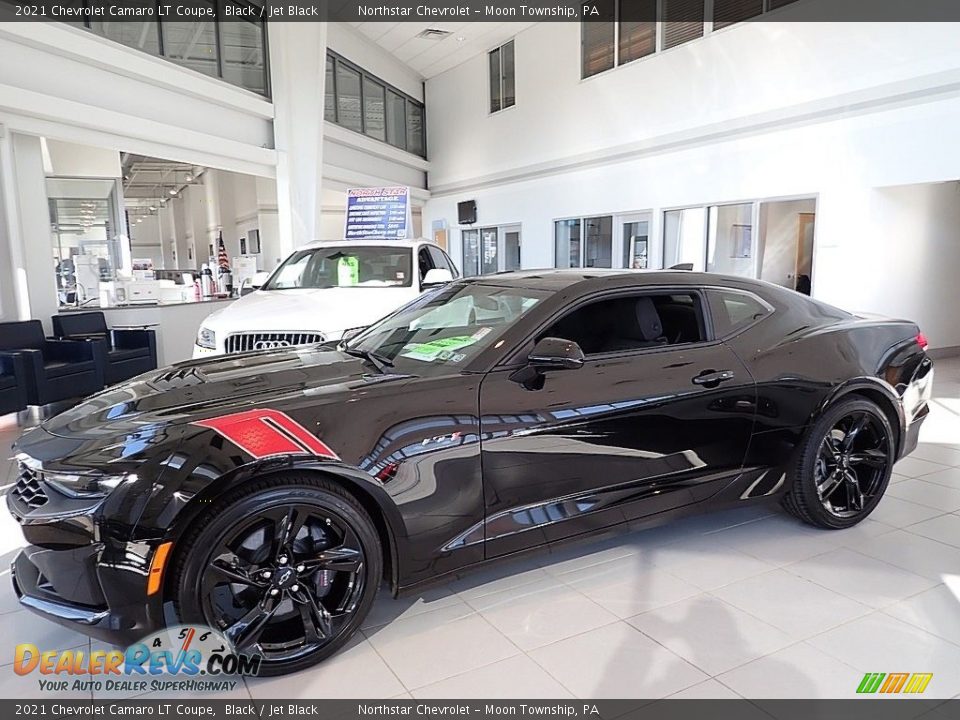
176, 324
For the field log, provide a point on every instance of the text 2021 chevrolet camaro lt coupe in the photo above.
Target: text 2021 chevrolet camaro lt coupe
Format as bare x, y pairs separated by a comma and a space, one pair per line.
267, 495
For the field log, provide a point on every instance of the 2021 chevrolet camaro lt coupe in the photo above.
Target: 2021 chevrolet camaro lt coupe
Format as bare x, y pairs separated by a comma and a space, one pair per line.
269, 494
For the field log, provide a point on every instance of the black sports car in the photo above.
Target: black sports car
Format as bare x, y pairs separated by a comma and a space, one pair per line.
268, 495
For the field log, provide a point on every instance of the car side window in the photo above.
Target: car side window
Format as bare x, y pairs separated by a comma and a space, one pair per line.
440, 260
425, 262
732, 311
632, 322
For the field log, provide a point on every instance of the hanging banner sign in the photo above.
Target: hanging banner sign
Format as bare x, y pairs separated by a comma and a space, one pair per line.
377, 213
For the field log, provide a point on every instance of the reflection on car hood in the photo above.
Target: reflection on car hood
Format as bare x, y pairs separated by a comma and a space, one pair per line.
327, 310
194, 390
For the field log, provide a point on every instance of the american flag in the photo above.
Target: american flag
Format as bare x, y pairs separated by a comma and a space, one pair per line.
222, 260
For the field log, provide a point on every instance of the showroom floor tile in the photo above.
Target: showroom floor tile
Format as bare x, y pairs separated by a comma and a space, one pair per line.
741, 602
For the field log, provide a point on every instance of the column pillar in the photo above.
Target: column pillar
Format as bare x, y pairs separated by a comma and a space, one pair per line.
298, 54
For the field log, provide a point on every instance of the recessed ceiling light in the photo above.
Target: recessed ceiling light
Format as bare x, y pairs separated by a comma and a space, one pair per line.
172, 191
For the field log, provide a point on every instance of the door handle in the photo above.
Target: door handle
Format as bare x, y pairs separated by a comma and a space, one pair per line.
712, 378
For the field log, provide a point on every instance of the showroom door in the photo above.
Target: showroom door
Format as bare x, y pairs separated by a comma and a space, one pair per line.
627, 435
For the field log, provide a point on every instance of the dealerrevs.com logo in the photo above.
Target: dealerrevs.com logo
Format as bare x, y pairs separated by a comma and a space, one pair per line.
184, 658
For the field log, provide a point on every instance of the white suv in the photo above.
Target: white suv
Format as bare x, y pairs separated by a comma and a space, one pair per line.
323, 289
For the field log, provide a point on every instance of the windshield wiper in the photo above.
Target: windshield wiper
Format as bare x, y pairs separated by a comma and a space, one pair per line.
380, 362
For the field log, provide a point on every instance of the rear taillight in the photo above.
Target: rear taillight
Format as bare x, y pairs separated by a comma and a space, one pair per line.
922, 341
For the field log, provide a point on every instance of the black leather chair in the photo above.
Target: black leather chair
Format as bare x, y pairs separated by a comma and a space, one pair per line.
54, 369
122, 354
13, 383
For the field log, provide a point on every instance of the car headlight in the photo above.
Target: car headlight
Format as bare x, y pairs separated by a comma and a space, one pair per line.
83, 486
75, 485
206, 338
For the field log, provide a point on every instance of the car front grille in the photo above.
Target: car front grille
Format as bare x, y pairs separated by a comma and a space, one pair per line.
245, 342
28, 492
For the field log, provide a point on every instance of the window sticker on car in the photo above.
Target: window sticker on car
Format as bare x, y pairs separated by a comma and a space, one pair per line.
441, 349
348, 271
481, 333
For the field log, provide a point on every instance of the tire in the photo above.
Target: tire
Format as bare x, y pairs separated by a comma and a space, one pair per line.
824, 465
242, 559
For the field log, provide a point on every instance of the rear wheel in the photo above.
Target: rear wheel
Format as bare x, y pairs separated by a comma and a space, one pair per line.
843, 466
286, 568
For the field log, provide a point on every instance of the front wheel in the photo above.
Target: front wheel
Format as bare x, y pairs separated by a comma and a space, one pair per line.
286, 568
843, 466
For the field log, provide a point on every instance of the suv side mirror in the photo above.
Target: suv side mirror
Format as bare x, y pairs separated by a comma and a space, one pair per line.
435, 278
553, 353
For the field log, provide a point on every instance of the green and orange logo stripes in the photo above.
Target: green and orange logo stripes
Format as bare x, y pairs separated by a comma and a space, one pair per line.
890, 683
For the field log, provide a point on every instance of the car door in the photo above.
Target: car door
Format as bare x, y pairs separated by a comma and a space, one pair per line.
642, 427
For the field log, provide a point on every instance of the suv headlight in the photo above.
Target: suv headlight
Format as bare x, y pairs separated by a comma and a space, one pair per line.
206, 338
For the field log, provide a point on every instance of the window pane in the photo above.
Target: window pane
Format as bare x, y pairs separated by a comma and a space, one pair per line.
348, 97
598, 38
567, 240
683, 21
637, 40
329, 93
415, 128
599, 248
636, 238
143, 36
684, 233
495, 96
509, 79
471, 252
733, 311
193, 44
373, 102
490, 258
728, 12
396, 119
730, 240
511, 248
242, 47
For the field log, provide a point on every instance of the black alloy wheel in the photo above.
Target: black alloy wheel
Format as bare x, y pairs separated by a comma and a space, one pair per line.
285, 571
851, 464
843, 466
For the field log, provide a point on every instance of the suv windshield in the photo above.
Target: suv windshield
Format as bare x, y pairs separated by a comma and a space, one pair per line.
344, 266
442, 330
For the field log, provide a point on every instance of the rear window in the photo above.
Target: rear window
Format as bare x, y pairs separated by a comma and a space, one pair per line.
733, 311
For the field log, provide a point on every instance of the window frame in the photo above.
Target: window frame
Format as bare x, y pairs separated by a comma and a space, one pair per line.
501, 78
516, 356
219, 17
365, 77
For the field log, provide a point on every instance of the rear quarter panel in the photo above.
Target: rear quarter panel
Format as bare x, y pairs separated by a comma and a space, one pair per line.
807, 354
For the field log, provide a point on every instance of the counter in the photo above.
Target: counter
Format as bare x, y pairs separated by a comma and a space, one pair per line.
176, 324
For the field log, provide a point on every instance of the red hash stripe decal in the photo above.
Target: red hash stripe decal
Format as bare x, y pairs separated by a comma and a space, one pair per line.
263, 433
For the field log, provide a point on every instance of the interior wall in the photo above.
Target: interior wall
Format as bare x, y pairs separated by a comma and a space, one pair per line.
779, 222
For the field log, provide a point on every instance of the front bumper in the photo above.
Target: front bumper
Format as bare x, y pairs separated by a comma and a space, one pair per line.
76, 572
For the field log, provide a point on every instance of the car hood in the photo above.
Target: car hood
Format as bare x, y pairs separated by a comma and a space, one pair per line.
196, 390
327, 310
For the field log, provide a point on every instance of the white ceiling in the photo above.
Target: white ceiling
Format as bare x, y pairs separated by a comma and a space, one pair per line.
432, 57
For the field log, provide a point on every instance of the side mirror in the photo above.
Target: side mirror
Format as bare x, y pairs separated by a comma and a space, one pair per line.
556, 354
435, 278
254, 282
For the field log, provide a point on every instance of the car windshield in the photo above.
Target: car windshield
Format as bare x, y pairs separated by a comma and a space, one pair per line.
344, 266
442, 330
